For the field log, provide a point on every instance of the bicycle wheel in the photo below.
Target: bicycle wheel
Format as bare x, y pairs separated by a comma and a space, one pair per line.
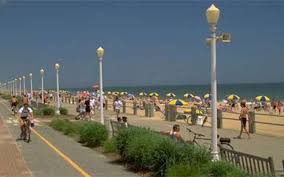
188, 120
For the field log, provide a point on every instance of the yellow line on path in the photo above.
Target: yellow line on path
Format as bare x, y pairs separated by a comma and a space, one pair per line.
72, 163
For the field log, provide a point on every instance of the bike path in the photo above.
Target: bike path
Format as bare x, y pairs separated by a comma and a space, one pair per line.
45, 162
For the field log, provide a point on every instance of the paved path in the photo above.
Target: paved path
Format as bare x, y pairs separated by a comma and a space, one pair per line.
12, 163
261, 145
43, 161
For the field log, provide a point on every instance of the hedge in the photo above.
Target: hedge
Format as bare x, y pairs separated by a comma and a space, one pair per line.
63, 111
93, 134
146, 150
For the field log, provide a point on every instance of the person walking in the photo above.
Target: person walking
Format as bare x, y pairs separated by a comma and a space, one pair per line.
117, 106
243, 118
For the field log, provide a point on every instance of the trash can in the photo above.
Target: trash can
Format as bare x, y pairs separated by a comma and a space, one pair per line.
172, 113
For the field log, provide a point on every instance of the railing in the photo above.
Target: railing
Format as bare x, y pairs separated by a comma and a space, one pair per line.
249, 163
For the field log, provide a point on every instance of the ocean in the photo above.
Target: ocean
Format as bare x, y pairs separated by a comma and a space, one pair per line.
245, 91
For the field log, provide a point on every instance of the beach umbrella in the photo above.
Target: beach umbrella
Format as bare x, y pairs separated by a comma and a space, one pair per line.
262, 98
172, 95
115, 93
142, 94
154, 94
233, 97
123, 93
207, 96
197, 98
109, 93
177, 102
188, 95
198, 111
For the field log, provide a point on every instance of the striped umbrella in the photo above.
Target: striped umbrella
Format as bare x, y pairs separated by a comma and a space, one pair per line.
197, 98
188, 95
123, 93
115, 93
142, 94
233, 97
207, 96
171, 95
262, 98
178, 102
154, 94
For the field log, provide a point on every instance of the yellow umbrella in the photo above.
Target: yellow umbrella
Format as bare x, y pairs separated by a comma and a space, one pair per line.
233, 97
154, 94
115, 93
188, 95
178, 102
123, 93
207, 96
262, 98
142, 94
172, 95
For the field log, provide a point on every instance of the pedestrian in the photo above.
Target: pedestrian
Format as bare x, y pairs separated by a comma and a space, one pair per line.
88, 109
243, 118
117, 106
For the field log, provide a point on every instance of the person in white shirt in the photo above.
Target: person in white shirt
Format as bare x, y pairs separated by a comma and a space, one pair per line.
117, 106
25, 121
93, 105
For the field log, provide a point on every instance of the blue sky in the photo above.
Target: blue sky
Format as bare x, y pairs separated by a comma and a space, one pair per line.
146, 42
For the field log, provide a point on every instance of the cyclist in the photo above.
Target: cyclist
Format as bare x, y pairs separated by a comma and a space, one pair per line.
14, 103
25, 121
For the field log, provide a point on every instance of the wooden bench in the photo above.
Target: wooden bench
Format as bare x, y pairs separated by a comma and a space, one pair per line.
249, 163
116, 126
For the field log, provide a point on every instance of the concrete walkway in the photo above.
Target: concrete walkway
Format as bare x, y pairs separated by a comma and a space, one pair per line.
12, 163
43, 161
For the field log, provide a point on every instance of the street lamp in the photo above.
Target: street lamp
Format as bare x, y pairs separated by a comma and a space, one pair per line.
24, 84
42, 94
20, 85
57, 67
31, 79
16, 87
100, 54
212, 15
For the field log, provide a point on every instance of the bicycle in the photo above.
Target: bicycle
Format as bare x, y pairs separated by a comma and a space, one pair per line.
14, 110
26, 131
223, 142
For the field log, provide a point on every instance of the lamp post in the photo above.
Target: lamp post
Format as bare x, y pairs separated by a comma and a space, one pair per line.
42, 94
57, 67
24, 84
100, 54
212, 15
16, 87
13, 87
31, 79
20, 86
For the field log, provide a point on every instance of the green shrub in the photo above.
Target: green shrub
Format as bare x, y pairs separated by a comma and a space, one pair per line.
58, 124
224, 169
6, 97
185, 170
150, 151
63, 111
109, 145
140, 149
48, 111
93, 134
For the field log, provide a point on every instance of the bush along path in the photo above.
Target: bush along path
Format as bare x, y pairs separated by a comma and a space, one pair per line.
146, 151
